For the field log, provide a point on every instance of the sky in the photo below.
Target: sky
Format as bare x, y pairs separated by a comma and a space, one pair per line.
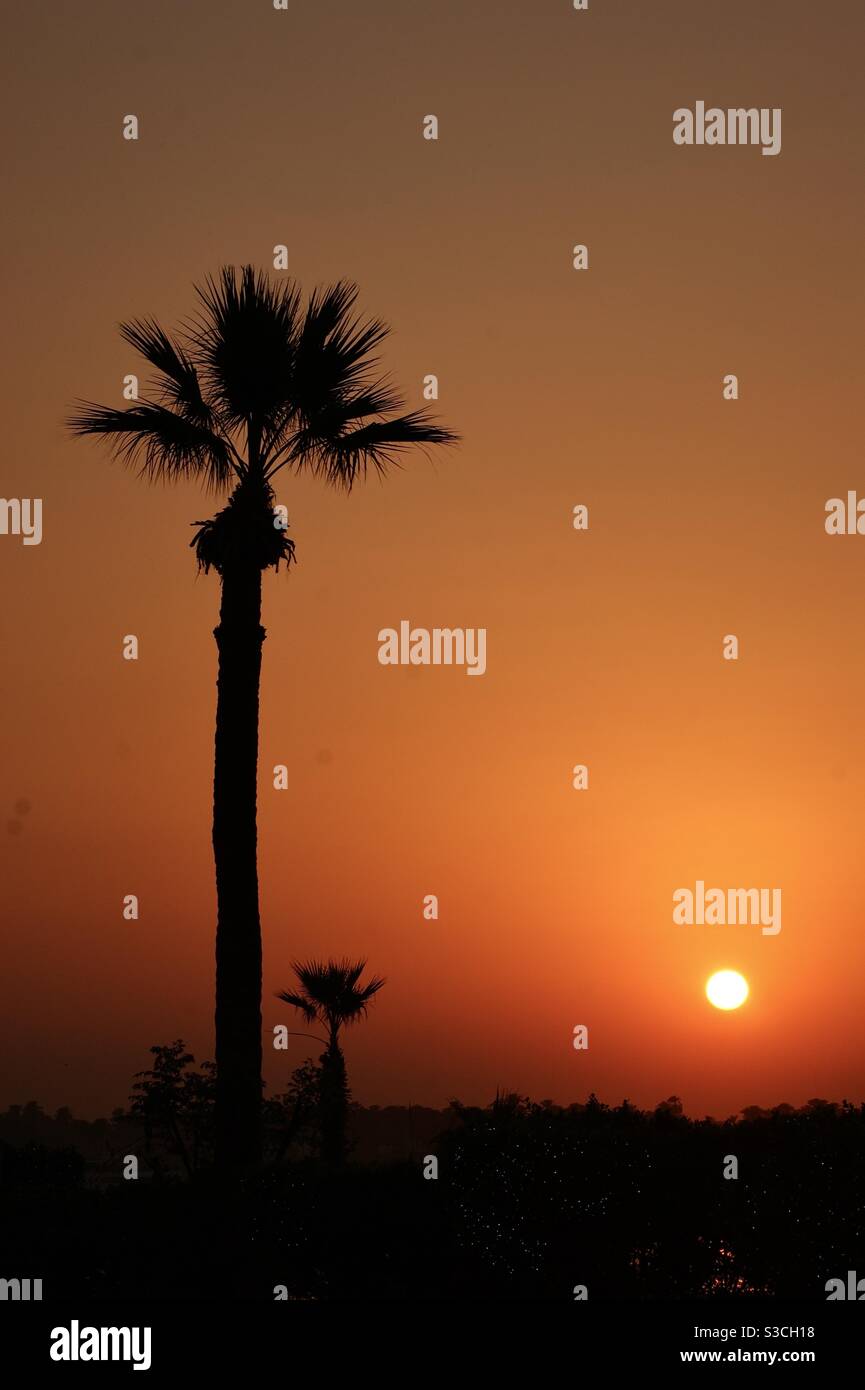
601, 387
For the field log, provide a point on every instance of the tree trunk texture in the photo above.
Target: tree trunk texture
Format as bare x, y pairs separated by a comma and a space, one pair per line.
239, 639
334, 1106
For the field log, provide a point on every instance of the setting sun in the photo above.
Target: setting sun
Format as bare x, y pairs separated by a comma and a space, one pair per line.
727, 989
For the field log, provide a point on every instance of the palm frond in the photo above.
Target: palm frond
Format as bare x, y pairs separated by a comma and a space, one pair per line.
331, 989
300, 1003
333, 418
244, 341
166, 445
375, 984
332, 358
178, 379
341, 458
334, 345
356, 1003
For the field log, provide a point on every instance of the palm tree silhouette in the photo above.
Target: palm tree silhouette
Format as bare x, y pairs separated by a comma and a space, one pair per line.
254, 383
331, 994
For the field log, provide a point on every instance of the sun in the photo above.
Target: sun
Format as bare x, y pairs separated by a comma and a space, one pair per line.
727, 989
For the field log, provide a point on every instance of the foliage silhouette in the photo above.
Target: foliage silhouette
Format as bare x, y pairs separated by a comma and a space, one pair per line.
175, 1106
531, 1199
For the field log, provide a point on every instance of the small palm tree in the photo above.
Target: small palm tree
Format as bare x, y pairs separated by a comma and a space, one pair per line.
255, 383
331, 994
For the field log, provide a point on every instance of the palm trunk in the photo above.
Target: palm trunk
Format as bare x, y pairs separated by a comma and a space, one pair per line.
239, 638
334, 1104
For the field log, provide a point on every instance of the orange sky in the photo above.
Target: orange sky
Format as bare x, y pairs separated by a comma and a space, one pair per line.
603, 388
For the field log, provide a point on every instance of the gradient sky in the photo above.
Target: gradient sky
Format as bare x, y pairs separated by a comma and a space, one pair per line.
604, 388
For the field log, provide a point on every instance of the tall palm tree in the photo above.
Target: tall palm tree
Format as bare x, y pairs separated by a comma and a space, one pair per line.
331, 994
255, 382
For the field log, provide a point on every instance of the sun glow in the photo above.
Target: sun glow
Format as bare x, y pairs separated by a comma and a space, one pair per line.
727, 989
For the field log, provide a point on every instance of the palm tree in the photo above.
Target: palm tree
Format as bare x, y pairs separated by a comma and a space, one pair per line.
253, 383
331, 994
